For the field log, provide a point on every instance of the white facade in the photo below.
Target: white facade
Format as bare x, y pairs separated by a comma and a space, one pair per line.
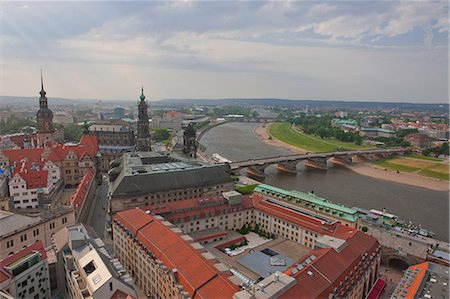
33, 282
27, 198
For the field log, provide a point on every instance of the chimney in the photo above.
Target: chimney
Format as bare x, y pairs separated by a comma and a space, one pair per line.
261, 287
277, 277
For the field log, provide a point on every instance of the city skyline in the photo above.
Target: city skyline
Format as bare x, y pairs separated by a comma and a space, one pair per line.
378, 51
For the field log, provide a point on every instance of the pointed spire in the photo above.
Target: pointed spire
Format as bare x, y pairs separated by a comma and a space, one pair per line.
142, 94
42, 92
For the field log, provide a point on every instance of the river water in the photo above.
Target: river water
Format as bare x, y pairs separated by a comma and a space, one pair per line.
237, 141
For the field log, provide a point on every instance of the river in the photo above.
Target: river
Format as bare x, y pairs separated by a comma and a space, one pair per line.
237, 141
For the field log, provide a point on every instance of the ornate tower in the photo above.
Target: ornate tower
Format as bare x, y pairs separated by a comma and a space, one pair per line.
189, 141
44, 118
143, 130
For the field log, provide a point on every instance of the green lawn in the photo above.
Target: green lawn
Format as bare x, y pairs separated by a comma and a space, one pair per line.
434, 174
284, 132
337, 143
393, 166
424, 158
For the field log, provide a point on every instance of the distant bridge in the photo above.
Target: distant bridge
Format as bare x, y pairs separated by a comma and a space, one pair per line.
289, 163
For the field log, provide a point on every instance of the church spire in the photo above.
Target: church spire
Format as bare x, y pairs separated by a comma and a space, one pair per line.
142, 94
42, 92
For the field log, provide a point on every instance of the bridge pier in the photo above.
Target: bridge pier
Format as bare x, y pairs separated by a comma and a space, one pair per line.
290, 167
342, 160
317, 163
257, 170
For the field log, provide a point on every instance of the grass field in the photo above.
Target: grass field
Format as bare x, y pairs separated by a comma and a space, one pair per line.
284, 133
424, 158
425, 167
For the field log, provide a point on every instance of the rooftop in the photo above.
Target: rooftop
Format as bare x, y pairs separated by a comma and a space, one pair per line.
10, 223
194, 270
149, 172
309, 201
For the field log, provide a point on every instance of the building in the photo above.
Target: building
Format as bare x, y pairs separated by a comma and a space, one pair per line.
376, 132
339, 261
17, 231
115, 137
341, 114
90, 271
164, 262
63, 118
72, 160
140, 179
172, 116
417, 140
425, 280
189, 141
313, 203
435, 133
25, 273
46, 133
143, 135
34, 185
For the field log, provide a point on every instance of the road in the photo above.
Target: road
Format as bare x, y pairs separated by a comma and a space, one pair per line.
97, 214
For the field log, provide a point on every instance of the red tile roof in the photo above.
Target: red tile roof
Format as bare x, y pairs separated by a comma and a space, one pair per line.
34, 178
37, 246
333, 265
311, 223
79, 196
197, 274
31, 155
88, 145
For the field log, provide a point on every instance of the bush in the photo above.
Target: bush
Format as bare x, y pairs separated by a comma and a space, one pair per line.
364, 229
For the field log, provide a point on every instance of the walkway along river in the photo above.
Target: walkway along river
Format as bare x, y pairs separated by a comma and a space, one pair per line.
237, 141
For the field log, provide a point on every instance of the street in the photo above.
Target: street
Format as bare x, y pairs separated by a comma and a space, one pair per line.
97, 214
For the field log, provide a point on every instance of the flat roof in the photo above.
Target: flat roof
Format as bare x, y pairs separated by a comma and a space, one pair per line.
264, 264
348, 214
13, 222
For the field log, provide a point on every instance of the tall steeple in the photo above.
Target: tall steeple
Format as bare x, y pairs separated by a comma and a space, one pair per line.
44, 119
143, 130
43, 103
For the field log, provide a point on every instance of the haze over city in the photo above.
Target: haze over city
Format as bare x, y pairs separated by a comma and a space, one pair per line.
369, 51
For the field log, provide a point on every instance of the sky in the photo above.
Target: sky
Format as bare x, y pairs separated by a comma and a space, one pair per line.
336, 50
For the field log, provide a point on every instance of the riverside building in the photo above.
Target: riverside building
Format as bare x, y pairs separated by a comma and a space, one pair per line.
143, 178
309, 255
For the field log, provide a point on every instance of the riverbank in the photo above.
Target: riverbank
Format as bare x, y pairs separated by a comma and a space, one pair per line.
262, 133
411, 179
365, 168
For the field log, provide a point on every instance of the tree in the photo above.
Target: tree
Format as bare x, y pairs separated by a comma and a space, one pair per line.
72, 132
364, 229
160, 134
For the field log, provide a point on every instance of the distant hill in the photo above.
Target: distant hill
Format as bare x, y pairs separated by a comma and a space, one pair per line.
333, 104
353, 105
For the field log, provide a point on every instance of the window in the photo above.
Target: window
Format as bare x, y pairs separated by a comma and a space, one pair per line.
64, 220
36, 232
52, 225
23, 238
9, 243
31, 290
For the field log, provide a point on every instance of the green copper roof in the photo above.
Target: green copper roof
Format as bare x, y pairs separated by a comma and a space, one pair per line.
310, 201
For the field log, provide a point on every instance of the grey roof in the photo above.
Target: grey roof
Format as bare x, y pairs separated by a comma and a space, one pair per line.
260, 263
11, 223
133, 177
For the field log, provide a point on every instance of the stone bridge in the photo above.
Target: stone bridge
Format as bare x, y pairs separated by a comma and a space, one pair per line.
288, 163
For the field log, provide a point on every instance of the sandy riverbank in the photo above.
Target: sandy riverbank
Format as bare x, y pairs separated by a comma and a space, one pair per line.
365, 168
412, 179
262, 133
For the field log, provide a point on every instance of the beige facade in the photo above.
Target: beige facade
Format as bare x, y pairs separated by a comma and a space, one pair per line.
43, 229
121, 203
150, 274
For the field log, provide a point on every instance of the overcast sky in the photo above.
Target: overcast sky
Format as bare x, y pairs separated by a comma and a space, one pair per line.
362, 50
